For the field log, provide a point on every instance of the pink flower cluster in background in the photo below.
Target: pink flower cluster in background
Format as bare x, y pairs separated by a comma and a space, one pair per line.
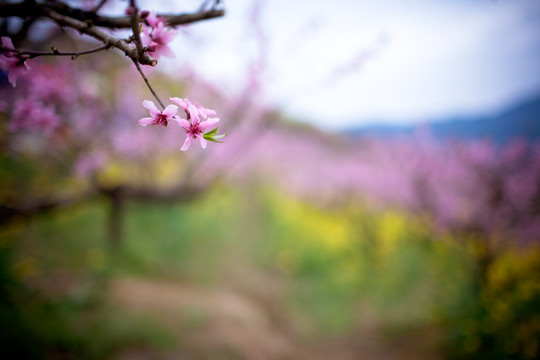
47, 99
461, 185
30, 114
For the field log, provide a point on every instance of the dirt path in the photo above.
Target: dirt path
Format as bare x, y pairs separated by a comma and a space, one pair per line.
229, 323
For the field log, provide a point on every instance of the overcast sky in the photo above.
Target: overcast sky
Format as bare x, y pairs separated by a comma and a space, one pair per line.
347, 62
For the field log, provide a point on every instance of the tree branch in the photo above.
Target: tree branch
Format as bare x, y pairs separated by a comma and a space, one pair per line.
87, 28
54, 52
148, 84
135, 27
181, 192
27, 9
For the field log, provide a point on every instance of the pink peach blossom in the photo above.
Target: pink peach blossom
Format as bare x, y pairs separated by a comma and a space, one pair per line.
156, 38
194, 127
193, 110
159, 118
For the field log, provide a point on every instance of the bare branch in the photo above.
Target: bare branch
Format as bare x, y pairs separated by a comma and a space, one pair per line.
86, 28
54, 52
135, 28
183, 19
148, 84
30, 207
32, 9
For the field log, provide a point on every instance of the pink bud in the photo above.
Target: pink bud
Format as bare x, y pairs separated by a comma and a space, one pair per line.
130, 10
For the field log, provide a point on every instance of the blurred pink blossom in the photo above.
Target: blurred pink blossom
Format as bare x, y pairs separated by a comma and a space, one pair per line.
29, 114
89, 163
153, 20
14, 64
156, 37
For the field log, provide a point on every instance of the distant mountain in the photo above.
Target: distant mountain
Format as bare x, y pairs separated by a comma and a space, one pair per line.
519, 121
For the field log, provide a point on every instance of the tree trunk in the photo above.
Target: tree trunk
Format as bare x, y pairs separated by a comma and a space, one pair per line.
116, 215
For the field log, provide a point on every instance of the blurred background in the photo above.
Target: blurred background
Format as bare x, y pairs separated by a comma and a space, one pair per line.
377, 195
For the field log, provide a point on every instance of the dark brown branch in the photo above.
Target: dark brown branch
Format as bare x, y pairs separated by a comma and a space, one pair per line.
181, 192
135, 28
88, 22
183, 19
55, 52
86, 28
40, 205
31, 9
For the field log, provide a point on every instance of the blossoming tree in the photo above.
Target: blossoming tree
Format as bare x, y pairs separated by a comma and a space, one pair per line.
59, 115
146, 42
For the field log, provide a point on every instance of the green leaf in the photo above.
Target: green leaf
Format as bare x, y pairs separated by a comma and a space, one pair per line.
210, 133
212, 137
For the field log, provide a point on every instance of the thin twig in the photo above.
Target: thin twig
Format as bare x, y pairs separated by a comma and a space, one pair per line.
204, 5
148, 84
55, 52
100, 5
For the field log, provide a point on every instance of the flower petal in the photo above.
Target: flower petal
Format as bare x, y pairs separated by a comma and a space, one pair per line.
170, 111
13, 74
145, 37
182, 122
6, 42
167, 52
151, 107
206, 111
202, 140
180, 102
194, 113
147, 121
168, 36
207, 124
152, 19
186, 143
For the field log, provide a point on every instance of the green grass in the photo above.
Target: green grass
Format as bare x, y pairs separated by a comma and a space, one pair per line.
342, 267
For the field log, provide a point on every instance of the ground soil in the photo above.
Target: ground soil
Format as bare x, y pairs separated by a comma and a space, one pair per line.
246, 320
